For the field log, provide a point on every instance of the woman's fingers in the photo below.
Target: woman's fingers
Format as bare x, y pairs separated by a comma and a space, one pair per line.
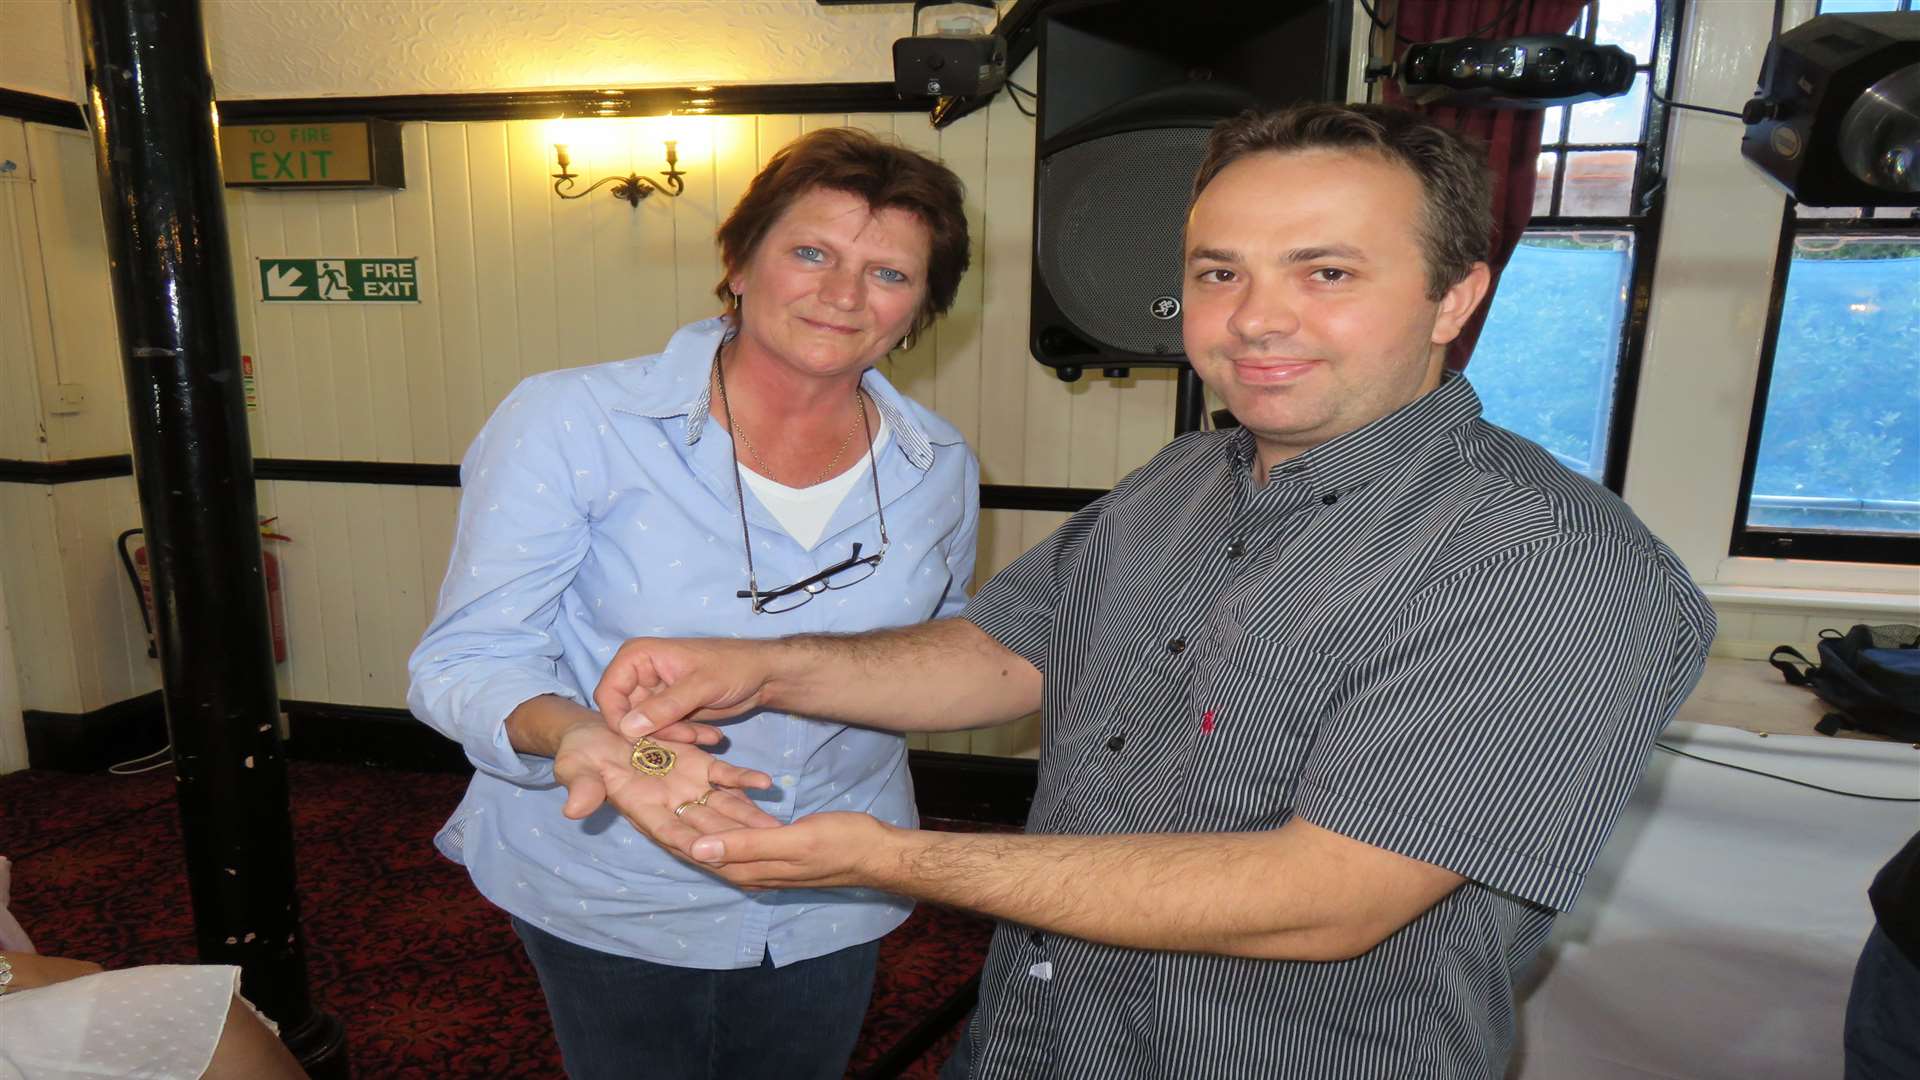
740, 810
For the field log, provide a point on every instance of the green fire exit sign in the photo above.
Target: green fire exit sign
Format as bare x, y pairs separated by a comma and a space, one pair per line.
339, 280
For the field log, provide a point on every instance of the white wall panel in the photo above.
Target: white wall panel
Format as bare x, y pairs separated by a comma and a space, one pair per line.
37, 48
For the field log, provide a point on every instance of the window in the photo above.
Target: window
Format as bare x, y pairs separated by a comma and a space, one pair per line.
1559, 356
1832, 467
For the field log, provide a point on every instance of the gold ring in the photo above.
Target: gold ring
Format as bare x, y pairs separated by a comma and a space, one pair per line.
702, 800
682, 808
651, 758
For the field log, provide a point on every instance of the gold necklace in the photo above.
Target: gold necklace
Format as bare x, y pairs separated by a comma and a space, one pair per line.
859, 423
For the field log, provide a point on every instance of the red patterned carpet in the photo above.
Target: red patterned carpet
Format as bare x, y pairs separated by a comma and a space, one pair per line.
427, 977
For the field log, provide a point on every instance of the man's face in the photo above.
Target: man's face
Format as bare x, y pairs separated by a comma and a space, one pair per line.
1305, 296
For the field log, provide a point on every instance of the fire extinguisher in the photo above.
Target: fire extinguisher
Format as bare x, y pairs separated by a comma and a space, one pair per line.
140, 575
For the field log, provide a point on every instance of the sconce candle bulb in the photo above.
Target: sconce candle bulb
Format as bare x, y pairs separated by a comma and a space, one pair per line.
632, 187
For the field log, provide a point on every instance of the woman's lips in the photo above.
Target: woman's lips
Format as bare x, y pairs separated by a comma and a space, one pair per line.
829, 327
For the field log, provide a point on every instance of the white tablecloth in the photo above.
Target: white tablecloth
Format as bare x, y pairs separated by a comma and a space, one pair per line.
1717, 935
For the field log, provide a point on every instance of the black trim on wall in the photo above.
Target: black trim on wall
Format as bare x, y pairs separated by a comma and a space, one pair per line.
16, 471
91, 741
965, 787
40, 109
415, 474
848, 97
320, 471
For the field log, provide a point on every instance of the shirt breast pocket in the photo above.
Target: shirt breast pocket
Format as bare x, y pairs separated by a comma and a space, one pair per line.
1256, 711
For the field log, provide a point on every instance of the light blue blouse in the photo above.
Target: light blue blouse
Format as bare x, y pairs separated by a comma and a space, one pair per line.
599, 505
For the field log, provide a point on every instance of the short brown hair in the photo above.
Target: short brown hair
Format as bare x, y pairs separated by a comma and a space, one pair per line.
884, 173
1456, 221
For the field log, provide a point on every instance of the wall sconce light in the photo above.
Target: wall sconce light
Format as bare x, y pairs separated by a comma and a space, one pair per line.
632, 187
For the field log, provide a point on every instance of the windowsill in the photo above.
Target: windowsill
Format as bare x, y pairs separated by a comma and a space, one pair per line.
1905, 605
1847, 583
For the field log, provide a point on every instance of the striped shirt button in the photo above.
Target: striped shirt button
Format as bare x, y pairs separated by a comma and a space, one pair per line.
1117, 743
1177, 646
1235, 549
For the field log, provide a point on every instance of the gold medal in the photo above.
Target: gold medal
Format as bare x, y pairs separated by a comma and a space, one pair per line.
651, 758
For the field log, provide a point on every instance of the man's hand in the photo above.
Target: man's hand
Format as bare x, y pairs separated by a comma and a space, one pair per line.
31, 970
595, 765
820, 851
655, 683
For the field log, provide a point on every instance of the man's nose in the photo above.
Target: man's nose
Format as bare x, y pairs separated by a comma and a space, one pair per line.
1265, 310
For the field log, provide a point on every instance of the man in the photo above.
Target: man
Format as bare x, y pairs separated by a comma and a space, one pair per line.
1339, 706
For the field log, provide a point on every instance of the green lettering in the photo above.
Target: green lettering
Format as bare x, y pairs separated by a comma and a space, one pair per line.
321, 156
257, 164
284, 165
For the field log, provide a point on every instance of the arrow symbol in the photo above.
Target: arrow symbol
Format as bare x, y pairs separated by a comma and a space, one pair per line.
283, 282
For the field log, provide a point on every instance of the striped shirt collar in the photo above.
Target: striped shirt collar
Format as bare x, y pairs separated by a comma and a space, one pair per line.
1349, 462
689, 353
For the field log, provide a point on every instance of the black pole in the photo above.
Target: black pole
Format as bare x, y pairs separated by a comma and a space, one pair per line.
151, 110
1189, 402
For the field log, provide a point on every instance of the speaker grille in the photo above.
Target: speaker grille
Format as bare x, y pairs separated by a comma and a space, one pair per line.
1110, 216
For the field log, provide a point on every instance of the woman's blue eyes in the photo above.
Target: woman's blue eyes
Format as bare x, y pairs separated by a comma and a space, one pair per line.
815, 255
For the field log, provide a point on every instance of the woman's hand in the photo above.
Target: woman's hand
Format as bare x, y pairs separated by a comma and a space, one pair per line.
31, 970
595, 764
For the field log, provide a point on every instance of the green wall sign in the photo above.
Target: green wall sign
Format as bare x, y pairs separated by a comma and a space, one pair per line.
339, 281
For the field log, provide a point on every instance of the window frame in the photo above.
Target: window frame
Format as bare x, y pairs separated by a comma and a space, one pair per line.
1776, 543
1646, 208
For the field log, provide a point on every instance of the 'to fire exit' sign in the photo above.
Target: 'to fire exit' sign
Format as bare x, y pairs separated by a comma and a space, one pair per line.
339, 280
357, 153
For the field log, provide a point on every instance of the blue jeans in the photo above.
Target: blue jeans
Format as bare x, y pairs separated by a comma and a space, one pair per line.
617, 1017
1883, 1014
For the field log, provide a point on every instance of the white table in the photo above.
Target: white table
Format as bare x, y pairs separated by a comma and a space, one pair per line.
1717, 934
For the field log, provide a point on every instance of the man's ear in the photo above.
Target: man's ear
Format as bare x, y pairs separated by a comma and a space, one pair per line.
1457, 304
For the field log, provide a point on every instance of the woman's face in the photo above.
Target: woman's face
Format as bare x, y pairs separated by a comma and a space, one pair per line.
834, 285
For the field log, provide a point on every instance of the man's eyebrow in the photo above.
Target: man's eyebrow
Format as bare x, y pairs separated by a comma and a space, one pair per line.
1213, 255
1345, 252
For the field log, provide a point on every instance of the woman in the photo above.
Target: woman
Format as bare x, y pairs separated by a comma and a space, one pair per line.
755, 479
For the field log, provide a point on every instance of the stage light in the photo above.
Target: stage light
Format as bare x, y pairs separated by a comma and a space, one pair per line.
1533, 71
1836, 117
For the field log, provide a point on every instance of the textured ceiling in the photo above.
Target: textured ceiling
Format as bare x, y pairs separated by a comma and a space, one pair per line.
325, 48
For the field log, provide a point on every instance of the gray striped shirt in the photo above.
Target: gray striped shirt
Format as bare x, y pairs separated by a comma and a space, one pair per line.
1425, 635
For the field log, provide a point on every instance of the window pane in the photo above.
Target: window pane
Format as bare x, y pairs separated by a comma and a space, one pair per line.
1611, 120
1598, 184
1543, 185
1545, 363
1840, 444
1802, 210
1845, 7
1550, 125
1628, 24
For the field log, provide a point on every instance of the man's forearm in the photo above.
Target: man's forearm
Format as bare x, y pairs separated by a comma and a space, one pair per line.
947, 675
1291, 894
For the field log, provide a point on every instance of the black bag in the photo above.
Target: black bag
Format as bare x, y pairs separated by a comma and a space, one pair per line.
1870, 675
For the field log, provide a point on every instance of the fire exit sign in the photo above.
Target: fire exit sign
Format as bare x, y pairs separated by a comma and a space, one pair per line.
339, 281
357, 153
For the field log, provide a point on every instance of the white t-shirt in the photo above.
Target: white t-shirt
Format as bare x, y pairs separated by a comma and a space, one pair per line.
804, 512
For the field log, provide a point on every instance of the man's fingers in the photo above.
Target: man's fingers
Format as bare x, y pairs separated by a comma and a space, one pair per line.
631, 672
723, 774
689, 732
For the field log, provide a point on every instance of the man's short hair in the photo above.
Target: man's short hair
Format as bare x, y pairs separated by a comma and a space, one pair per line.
885, 173
1456, 222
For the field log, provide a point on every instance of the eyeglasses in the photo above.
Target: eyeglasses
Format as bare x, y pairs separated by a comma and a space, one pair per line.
850, 571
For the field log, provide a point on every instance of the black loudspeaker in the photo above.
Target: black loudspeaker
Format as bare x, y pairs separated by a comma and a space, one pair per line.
1128, 90
1836, 119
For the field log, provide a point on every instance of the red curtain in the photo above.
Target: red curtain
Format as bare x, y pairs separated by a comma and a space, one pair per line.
1512, 136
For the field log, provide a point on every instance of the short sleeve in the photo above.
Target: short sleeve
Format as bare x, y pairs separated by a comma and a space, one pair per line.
1506, 719
1016, 607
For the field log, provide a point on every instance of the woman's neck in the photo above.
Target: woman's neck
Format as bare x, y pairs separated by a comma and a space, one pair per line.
788, 426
